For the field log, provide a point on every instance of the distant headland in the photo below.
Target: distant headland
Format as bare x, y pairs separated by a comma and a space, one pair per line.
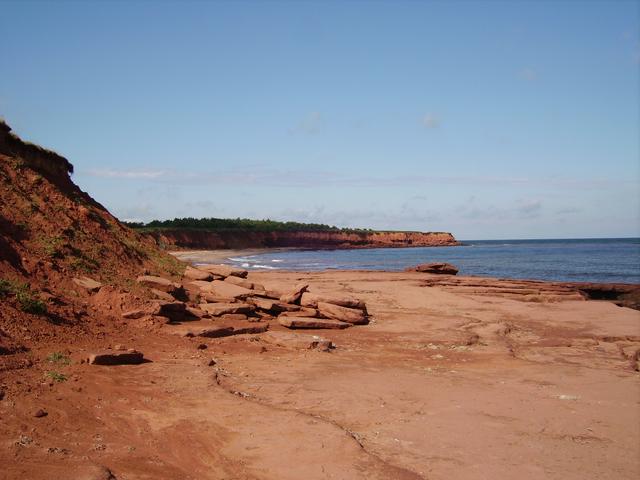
220, 233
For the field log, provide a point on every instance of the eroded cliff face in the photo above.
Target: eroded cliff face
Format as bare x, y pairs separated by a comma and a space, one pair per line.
198, 239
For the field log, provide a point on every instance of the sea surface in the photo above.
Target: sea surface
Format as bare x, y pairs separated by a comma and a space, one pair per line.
576, 260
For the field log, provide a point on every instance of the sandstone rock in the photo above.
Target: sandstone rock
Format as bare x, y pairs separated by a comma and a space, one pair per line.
435, 267
211, 298
344, 314
197, 274
226, 331
262, 303
301, 341
299, 322
311, 300
242, 282
199, 284
217, 309
224, 270
294, 295
92, 472
158, 283
233, 317
196, 312
225, 289
303, 312
137, 313
159, 294
87, 283
129, 357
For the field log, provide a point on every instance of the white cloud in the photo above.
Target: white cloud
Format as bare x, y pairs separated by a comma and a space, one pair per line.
112, 173
430, 121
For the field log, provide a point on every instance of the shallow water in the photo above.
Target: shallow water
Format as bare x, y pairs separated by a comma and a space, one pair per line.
588, 260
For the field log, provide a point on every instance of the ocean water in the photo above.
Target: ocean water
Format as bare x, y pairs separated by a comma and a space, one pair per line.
578, 260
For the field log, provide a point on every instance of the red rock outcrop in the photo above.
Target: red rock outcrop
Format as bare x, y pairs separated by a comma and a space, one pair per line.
200, 239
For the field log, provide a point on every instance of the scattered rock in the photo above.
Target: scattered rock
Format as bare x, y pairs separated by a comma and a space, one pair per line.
87, 283
224, 270
202, 346
226, 331
217, 309
159, 294
159, 283
197, 274
133, 314
212, 363
435, 267
344, 314
298, 340
300, 322
241, 282
234, 317
129, 357
40, 413
294, 295
226, 289
302, 312
94, 472
311, 300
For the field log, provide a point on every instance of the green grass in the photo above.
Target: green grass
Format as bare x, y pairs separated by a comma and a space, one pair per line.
57, 376
27, 301
58, 358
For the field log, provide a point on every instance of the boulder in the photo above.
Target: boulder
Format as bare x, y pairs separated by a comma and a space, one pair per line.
224, 270
294, 295
233, 317
196, 312
300, 322
242, 282
311, 300
435, 267
303, 312
265, 304
228, 290
197, 274
207, 297
89, 284
344, 314
159, 283
159, 294
217, 309
128, 357
226, 330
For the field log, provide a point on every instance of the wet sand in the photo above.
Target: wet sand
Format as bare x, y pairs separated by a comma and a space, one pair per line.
442, 384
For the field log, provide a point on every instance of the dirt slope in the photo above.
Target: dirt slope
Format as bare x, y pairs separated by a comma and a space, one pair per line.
50, 233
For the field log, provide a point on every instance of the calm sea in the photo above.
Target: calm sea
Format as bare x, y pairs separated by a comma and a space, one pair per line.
588, 260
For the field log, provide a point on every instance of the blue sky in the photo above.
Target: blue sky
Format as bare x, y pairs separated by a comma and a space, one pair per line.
506, 119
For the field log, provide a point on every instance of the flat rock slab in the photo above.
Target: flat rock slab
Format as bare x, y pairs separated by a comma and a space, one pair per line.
226, 289
300, 341
302, 322
197, 274
217, 309
213, 330
310, 299
344, 314
243, 282
128, 357
158, 283
435, 267
89, 284
224, 270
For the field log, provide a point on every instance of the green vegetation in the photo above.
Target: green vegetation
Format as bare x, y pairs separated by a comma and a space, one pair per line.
58, 358
27, 301
57, 376
243, 224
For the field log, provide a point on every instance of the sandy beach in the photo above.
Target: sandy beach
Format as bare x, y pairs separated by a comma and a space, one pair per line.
440, 384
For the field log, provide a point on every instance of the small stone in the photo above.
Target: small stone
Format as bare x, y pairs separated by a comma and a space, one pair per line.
211, 363
202, 346
40, 413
